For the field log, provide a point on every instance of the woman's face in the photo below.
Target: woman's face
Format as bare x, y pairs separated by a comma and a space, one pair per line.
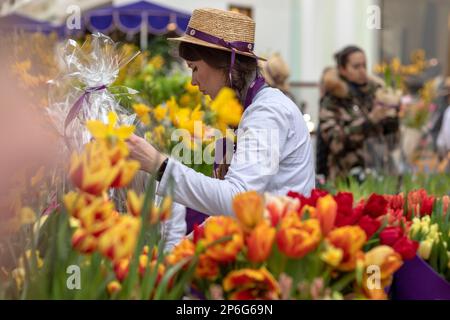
208, 79
355, 70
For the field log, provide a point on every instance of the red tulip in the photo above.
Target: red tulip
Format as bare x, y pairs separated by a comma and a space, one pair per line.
369, 225
376, 206
311, 200
344, 218
406, 247
390, 235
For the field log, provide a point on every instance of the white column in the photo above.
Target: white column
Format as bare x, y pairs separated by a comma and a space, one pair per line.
345, 27
293, 58
308, 40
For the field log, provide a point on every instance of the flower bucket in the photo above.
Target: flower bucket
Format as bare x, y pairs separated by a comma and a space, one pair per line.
416, 280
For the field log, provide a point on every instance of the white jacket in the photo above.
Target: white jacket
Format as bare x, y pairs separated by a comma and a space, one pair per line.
443, 140
273, 154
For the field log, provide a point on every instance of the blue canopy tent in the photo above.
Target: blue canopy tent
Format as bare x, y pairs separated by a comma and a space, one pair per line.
17, 22
139, 17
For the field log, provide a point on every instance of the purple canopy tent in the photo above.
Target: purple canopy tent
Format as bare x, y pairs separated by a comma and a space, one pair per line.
139, 17
17, 22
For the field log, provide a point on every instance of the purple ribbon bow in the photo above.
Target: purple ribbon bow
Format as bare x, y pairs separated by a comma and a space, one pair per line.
76, 108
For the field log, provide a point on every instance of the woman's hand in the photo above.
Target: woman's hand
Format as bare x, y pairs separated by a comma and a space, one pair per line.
142, 151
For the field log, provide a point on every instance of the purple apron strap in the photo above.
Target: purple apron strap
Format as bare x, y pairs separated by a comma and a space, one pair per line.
194, 217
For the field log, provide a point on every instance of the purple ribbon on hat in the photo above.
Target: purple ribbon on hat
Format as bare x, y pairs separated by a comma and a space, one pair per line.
232, 45
76, 108
194, 217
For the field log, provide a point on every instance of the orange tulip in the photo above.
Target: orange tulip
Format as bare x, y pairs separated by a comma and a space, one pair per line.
218, 229
296, 238
350, 240
249, 209
185, 249
311, 211
249, 284
207, 268
260, 242
326, 213
388, 261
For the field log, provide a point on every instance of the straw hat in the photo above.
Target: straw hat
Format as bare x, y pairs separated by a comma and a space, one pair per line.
276, 72
220, 29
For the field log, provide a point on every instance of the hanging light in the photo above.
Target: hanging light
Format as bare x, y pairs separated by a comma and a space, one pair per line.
172, 26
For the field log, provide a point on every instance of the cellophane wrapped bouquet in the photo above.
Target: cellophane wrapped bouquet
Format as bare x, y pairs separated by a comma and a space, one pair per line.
83, 90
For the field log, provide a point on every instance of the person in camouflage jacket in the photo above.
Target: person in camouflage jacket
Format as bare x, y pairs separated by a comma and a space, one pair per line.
349, 116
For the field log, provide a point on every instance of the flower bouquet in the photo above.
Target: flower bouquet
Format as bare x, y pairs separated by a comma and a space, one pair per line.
421, 217
390, 93
83, 90
187, 127
87, 249
290, 247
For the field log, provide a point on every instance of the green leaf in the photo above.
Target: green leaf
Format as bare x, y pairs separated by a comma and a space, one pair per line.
343, 282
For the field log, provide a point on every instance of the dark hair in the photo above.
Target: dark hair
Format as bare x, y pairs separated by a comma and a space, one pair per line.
243, 67
342, 56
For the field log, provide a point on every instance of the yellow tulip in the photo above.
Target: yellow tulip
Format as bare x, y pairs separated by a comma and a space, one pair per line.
109, 132
135, 204
332, 255
191, 89
350, 240
91, 171
126, 172
160, 113
227, 108
120, 240
83, 241
142, 111
157, 62
425, 247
